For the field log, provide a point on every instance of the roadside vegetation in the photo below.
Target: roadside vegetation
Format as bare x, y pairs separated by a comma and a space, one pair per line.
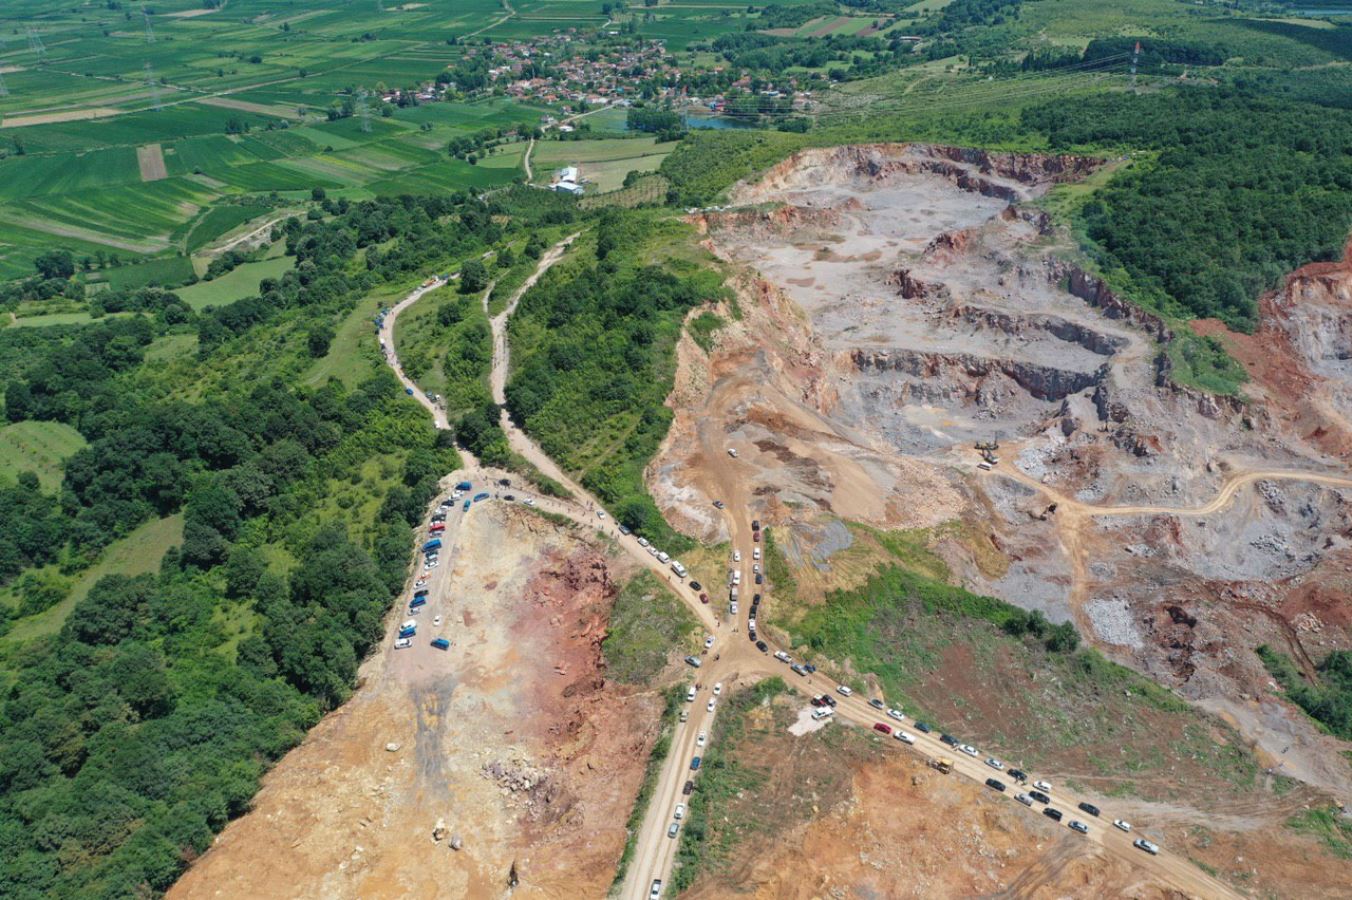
705, 842
593, 351
647, 624
935, 649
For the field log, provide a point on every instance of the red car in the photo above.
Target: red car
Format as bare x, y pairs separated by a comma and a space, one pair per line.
755, 536
883, 727
703, 598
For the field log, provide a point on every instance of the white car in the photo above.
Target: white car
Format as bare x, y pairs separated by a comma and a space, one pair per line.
643, 542
600, 514
1024, 799
737, 556
1077, 825
755, 553
656, 890
529, 501
718, 688
420, 582
403, 643
679, 812
844, 690
708, 642
896, 714
1044, 786
822, 712
437, 620
732, 451
995, 763
1148, 846
702, 739
709, 707
1125, 826
969, 750
904, 737
783, 657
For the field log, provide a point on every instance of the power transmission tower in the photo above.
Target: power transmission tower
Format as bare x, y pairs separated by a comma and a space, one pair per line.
4, 90
364, 110
35, 44
1135, 55
150, 33
154, 86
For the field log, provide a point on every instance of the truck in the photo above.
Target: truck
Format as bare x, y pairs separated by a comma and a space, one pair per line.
478, 497
464, 486
434, 544
944, 764
678, 569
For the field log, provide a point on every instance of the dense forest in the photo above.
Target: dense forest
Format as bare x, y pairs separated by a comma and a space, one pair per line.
1236, 191
132, 734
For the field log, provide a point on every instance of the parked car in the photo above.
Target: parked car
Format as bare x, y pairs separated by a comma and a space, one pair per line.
709, 642
696, 586
441, 643
1090, 808
1018, 775
896, 714
995, 763
1077, 825
624, 529
949, 740
969, 750
679, 812
1124, 826
1040, 797
905, 737
995, 784
921, 726
737, 556
882, 727
709, 707
844, 690
1043, 786
655, 892
1053, 814
674, 829
755, 536
694, 661
403, 643
718, 688
694, 764
688, 789
702, 739
829, 700
798, 668
782, 656
822, 712
1024, 799
876, 703
760, 579
762, 646
1148, 846
704, 598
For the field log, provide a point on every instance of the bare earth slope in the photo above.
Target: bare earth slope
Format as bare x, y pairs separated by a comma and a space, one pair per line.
899, 303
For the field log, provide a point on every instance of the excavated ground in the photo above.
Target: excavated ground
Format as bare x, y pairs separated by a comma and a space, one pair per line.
898, 303
514, 741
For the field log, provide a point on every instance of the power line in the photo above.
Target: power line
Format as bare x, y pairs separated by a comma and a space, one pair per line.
364, 110
35, 43
150, 33
154, 88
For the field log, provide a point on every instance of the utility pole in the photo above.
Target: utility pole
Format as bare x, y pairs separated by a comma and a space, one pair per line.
364, 110
154, 88
35, 44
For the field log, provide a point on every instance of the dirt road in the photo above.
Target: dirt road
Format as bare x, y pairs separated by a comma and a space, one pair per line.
740, 661
386, 335
735, 659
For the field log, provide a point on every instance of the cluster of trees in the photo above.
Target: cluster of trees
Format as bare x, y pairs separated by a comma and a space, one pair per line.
654, 119
1244, 189
708, 161
1155, 52
1328, 700
593, 344
128, 739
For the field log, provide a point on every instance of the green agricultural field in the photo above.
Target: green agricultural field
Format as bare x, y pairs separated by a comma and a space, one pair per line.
236, 284
38, 447
138, 552
171, 270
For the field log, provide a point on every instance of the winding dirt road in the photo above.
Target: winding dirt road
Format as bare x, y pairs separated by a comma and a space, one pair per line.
735, 660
